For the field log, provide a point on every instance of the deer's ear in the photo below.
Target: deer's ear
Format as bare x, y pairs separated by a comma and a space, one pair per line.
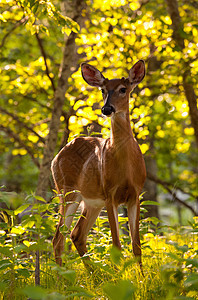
91, 75
137, 72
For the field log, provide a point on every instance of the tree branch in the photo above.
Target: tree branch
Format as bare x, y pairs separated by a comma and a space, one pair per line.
12, 134
35, 100
45, 60
20, 22
16, 118
167, 185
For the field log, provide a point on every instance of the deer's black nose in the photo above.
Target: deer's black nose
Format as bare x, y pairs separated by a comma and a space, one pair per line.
108, 110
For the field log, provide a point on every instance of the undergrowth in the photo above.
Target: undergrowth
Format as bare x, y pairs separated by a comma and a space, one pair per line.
170, 259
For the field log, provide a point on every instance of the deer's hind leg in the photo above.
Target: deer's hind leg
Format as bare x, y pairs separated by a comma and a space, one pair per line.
68, 208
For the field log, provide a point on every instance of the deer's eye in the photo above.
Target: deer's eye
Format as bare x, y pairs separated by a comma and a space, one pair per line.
122, 90
103, 91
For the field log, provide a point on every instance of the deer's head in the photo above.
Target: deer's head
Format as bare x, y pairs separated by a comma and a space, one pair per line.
115, 91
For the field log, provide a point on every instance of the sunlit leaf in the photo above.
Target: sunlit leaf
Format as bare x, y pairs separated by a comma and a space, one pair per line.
149, 203
122, 290
21, 209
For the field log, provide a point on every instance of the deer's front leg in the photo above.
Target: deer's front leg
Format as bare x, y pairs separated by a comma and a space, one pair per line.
113, 222
84, 224
133, 216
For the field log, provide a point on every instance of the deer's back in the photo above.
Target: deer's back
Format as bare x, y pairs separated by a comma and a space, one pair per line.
77, 166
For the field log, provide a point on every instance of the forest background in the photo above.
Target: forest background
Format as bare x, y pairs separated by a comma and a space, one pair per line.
45, 103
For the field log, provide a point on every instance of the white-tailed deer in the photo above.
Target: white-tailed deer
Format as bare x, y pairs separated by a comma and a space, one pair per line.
106, 172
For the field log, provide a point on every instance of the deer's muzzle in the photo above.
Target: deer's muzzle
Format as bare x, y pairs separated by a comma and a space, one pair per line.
108, 109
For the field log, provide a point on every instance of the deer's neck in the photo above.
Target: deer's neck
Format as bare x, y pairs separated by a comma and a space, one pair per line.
121, 133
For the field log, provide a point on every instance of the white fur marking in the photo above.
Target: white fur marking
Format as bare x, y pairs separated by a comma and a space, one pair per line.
94, 202
132, 215
70, 211
120, 86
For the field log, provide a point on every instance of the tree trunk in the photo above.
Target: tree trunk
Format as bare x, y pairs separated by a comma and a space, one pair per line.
69, 63
191, 97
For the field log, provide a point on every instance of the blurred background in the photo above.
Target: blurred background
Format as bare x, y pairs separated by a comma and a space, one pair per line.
45, 103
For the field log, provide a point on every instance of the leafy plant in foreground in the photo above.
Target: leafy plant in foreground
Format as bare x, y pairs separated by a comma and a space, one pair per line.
182, 272
170, 260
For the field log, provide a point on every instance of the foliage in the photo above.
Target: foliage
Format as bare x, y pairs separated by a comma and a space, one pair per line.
170, 261
36, 14
116, 34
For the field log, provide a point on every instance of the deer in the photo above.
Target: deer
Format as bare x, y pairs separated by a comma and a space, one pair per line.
98, 172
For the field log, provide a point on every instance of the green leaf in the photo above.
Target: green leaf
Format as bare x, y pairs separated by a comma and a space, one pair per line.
44, 29
63, 229
8, 198
21, 209
23, 272
28, 224
32, 3
154, 220
17, 230
122, 290
34, 292
192, 261
116, 255
20, 247
5, 263
175, 256
40, 199
35, 7
81, 292
191, 283
6, 251
149, 203
8, 211
69, 275
183, 248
